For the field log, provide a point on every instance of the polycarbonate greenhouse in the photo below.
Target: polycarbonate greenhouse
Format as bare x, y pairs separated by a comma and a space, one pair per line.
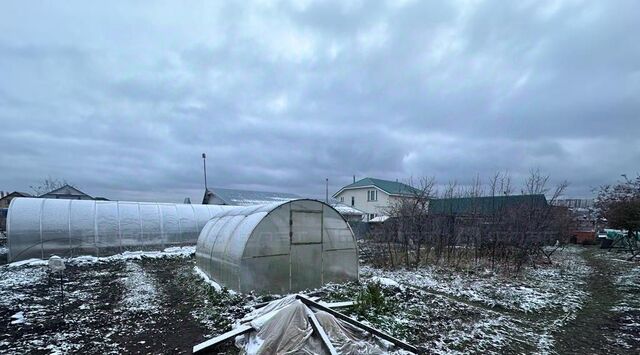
278, 248
39, 228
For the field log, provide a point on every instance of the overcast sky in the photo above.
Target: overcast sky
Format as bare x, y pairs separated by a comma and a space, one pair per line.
122, 98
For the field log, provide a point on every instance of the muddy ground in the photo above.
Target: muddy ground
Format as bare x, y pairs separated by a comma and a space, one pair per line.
587, 302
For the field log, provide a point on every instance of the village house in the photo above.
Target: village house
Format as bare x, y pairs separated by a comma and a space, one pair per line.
374, 196
5, 200
585, 219
68, 192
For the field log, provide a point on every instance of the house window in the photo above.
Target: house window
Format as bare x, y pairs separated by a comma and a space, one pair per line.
353, 201
372, 195
341, 198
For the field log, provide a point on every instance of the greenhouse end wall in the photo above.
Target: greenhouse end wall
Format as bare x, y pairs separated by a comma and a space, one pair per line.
40, 228
278, 248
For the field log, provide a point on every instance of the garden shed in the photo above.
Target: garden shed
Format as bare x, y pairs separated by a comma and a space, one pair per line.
278, 248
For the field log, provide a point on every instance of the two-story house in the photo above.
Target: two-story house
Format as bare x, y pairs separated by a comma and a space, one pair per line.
374, 196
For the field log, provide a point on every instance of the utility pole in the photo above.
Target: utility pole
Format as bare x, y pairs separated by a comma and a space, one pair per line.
326, 195
204, 161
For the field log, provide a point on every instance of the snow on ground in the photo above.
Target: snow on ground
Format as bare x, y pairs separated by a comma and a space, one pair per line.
172, 252
158, 302
32, 299
15, 284
17, 318
536, 290
628, 306
434, 321
28, 262
453, 311
216, 286
218, 307
385, 281
108, 302
140, 290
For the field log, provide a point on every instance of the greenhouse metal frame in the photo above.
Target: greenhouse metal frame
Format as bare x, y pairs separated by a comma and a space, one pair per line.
40, 228
278, 248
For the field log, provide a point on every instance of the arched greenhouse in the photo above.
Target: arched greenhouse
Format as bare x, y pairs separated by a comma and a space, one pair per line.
278, 248
39, 228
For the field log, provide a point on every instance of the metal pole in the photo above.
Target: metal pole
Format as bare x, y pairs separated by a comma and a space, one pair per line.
204, 161
326, 195
62, 296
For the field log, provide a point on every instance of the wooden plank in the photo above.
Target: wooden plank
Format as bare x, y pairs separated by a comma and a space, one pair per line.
335, 305
323, 336
208, 345
360, 325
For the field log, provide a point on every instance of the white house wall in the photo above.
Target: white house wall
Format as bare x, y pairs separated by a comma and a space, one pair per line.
379, 207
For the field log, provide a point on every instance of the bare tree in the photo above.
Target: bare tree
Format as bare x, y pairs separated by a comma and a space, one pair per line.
406, 232
48, 184
474, 223
619, 205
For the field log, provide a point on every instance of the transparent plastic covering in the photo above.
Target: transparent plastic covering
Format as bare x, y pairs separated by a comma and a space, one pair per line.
278, 248
39, 228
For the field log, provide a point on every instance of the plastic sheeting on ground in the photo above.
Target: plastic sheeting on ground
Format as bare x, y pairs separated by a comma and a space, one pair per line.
284, 327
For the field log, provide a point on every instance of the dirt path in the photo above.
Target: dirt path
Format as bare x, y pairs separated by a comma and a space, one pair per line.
595, 324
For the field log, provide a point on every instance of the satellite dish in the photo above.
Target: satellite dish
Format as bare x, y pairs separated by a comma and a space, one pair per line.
56, 264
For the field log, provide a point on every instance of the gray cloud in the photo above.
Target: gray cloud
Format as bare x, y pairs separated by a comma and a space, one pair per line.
122, 99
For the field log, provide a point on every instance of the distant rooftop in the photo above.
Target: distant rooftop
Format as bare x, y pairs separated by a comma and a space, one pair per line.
16, 194
234, 197
65, 191
390, 187
575, 202
485, 204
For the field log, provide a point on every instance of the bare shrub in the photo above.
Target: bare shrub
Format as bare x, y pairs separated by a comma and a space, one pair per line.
477, 225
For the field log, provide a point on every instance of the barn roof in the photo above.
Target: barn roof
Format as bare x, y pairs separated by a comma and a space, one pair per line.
66, 190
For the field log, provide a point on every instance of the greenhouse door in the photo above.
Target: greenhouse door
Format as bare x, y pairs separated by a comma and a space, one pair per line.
306, 249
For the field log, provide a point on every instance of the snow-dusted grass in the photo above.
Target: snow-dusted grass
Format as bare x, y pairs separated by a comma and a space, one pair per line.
434, 321
451, 311
627, 307
534, 291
